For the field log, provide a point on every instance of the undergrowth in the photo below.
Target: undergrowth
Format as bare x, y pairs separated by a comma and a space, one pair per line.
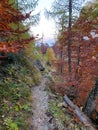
61, 114
57, 111
16, 80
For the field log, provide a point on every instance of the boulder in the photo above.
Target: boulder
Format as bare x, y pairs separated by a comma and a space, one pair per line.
39, 65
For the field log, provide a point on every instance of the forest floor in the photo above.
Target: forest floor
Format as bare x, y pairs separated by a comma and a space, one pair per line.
49, 110
40, 120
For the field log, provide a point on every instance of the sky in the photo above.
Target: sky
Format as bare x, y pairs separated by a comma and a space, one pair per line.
46, 28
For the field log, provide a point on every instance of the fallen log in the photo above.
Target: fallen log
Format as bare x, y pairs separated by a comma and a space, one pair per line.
82, 117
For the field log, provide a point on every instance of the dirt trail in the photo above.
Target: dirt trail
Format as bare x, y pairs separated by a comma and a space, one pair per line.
40, 106
40, 120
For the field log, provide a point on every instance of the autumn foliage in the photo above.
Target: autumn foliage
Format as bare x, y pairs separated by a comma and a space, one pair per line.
84, 56
8, 16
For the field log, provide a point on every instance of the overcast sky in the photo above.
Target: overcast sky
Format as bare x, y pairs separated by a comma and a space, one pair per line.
45, 27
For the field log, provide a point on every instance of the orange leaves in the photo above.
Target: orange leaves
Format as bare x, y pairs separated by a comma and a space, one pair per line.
4, 27
6, 47
3, 48
9, 15
84, 55
97, 49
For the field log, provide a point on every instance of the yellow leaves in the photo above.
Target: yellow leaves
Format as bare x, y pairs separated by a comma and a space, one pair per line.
50, 54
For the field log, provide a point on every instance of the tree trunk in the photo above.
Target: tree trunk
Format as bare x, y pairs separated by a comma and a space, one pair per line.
83, 118
90, 103
77, 64
61, 58
69, 37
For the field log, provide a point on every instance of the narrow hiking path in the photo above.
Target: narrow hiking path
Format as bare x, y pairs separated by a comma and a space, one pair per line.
40, 106
41, 120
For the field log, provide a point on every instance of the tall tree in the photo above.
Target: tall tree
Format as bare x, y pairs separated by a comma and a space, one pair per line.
65, 14
50, 55
27, 6
10, 17
59, 12
84, 55
92, 33
69, 37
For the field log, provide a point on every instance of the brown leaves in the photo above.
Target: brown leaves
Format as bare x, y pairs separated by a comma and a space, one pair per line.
84, 54
9, 15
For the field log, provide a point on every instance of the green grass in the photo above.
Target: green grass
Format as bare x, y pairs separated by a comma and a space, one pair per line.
16, 81
56, 111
